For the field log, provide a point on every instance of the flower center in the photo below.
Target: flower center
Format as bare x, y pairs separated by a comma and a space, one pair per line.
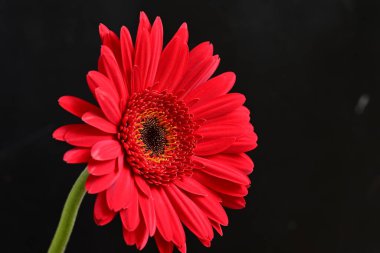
153, 136
157, 133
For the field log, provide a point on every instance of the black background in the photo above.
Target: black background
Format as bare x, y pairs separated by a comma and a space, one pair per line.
303, 65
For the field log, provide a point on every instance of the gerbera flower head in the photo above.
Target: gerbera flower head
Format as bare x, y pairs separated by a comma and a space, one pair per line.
165, 146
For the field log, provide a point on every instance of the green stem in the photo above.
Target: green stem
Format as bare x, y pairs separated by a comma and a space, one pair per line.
69, 215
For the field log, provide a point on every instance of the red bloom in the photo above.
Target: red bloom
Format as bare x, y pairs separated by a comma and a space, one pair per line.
166, 144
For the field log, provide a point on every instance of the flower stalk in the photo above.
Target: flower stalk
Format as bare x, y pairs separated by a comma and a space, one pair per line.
69, 214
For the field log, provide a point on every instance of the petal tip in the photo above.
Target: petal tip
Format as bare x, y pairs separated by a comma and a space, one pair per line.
58, 135
158, 20
62, 99
184, 26
143, 17
103, 30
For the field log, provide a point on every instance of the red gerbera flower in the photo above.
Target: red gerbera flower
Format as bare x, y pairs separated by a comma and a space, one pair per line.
165, 147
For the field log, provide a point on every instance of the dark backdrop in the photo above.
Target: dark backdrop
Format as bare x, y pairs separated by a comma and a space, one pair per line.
311, 74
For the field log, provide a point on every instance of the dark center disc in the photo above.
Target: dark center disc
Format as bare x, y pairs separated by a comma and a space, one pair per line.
154, 136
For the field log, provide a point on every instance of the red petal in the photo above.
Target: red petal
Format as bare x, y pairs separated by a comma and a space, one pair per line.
192, 186
156, 38
96, 184
109, 107
162, 216
217, 227
142, 53
127, 53
240, 161
243, 144
143, 186
220, 185
102, 214
60, 132
109, 66
143, 24
103, 31
96, 79
173, 220
77, 155
100, 168
142, 58
237, 116
216, 131
222, 171
213, 88
148, 213
172, 64
118, 194
130, 217
110, 39
182, 248
213, 146
106, 150
190, 214
136, 81
99, 122
198, 74
211, 208
76, 106
233, 202
219, 106
139, 236
84, 135
163, 245
182, 33
200, 52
